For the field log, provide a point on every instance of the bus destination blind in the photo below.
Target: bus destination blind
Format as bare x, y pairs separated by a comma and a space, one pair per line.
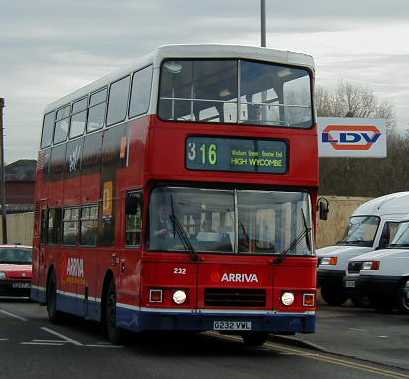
236, 154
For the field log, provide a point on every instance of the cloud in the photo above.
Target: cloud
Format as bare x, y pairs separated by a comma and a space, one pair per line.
51, 48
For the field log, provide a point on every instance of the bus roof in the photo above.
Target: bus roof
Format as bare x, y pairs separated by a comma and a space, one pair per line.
394, 203
210, 51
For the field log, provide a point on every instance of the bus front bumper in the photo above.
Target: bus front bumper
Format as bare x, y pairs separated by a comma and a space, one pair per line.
140, 319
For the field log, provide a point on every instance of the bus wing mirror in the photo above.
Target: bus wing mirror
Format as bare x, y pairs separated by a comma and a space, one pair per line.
323, 208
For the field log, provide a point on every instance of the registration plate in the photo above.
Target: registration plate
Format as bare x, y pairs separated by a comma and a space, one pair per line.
232, 325
350, 283
21, 285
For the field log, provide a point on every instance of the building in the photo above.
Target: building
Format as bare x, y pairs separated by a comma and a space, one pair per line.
20, 185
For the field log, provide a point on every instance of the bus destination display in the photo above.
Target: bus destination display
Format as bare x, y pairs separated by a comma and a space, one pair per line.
236, 154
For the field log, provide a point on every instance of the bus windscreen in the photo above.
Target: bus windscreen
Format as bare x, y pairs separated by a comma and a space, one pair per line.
235, 91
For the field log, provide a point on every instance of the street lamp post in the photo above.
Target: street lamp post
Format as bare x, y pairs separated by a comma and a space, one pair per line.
2, 176
263, 22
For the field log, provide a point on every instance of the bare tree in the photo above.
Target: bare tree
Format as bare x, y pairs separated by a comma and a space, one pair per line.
350, 100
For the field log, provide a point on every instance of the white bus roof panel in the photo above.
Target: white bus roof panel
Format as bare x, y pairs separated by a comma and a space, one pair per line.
191, 51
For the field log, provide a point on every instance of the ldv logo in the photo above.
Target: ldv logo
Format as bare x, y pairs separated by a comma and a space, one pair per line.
351, 137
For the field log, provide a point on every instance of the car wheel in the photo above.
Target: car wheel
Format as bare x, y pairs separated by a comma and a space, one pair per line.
53, 315
404, 297
333, 295
113, 333
254, 339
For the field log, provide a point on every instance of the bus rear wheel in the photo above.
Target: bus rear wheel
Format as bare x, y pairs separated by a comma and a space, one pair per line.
53, 315
254, 339
112, 332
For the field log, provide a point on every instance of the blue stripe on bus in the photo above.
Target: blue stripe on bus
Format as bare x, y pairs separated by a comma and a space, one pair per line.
135, 320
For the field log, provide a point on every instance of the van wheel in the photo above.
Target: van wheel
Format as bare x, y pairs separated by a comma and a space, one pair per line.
254, 339
112, 332
360, 301
53, 315
334, 296
404, 297
381, 305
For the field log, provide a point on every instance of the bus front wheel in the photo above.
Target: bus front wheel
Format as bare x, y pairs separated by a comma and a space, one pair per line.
112, 332
53, 315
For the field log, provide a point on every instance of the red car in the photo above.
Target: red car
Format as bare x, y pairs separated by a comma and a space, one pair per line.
15, 270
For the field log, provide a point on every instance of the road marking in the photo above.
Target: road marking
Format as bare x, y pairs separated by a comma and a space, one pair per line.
3, 339
107, 345
13, 315
325, 358
383, 337
357, 330
51, 341
68, 339
42, 343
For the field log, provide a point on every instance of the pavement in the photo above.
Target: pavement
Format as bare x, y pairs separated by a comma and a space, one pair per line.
359, 333
32, 347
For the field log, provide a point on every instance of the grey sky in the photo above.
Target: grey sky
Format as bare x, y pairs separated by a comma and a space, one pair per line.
50, 48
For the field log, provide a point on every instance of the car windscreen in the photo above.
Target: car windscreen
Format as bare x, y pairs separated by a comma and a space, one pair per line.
361, 231
15, 255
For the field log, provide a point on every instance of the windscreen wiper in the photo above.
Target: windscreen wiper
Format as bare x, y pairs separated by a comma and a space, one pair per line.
305, 233
181, 232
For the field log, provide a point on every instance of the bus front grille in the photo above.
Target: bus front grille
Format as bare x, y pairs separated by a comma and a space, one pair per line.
236, 297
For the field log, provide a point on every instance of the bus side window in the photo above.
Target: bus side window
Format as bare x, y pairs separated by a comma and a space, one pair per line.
88, 225
62, 124
54, 226
141, 92
48, 128
118, 101
96, 112
133, 218
70, 226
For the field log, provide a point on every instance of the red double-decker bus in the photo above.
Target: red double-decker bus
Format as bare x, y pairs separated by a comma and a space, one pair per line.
178, 194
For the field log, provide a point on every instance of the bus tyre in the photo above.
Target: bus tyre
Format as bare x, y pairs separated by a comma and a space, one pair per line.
403, 301
53, 315
112, 332
254, 339
334, 296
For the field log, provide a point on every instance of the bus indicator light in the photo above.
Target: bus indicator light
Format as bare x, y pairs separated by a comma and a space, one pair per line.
155, 295
309, 300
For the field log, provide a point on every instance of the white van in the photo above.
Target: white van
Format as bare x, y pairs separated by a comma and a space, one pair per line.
383, 275
371, 227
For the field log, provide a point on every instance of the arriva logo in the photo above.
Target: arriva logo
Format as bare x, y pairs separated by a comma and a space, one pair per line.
351, 137
75, 267
239, 278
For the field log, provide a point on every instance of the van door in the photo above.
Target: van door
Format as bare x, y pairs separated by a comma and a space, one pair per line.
389, 230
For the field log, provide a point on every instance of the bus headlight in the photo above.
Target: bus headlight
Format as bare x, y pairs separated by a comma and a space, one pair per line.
179, 296
3, 275
287, 298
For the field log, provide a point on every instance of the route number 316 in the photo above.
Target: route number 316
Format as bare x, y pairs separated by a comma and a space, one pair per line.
207, 153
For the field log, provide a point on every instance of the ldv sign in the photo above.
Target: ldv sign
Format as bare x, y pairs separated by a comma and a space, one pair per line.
351, 137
